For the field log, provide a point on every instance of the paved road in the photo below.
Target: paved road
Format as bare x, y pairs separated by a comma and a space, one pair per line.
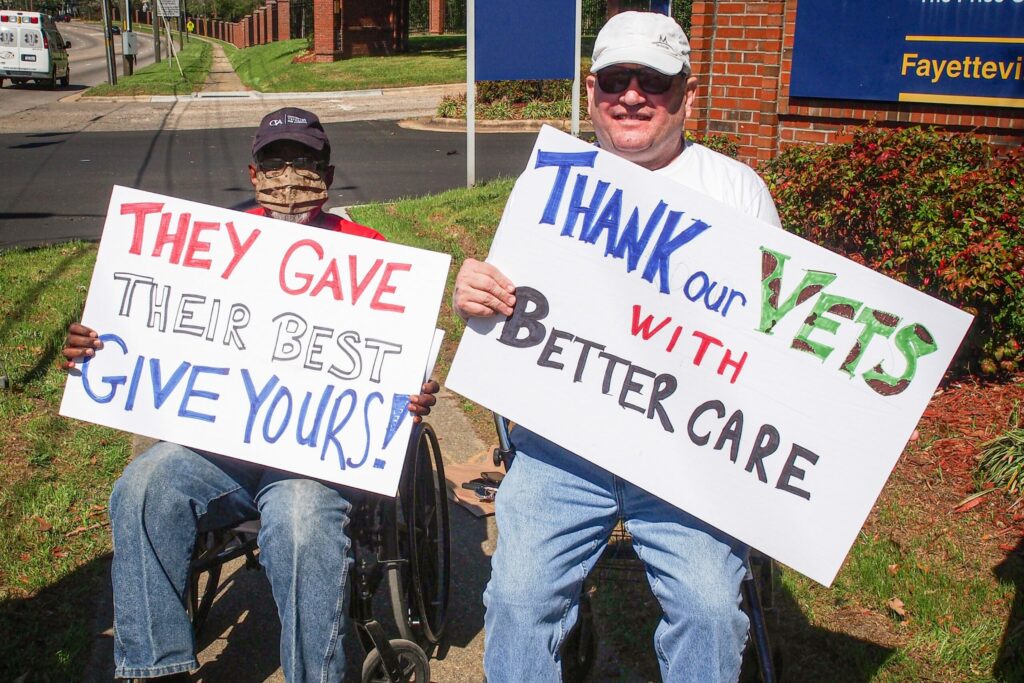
88, 68
58, 184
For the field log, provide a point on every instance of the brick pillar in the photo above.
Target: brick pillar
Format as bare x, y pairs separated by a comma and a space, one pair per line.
326, 30
257, 18
284, 20
272, 21
437, 18
249, 34
737, 58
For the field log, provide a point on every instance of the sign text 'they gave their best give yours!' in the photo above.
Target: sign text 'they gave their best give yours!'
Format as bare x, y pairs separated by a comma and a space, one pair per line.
281, 344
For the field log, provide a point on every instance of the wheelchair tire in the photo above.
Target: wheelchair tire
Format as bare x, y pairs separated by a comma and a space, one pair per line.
414, 663
419, 588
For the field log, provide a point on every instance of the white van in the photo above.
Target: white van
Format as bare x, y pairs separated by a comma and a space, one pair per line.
31, 48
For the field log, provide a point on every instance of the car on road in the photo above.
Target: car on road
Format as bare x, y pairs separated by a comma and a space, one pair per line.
115, 30
32, 49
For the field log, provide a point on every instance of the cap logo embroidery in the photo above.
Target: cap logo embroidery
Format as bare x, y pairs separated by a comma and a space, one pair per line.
296, 119
662, 41
275, 122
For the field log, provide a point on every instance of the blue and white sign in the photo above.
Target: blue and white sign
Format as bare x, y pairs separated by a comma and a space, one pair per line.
525, 40
968, 52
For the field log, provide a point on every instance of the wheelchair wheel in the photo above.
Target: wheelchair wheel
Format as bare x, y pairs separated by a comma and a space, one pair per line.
419, 587
413, 662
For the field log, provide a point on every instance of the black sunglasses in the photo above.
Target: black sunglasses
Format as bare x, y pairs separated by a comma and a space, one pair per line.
614, 79
273, 166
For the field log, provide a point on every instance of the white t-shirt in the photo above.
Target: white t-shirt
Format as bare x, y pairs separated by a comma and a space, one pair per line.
727, 180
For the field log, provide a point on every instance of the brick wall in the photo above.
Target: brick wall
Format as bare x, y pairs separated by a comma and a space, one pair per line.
742, 56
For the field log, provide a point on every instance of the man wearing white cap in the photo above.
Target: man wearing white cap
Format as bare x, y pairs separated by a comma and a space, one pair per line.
555, 511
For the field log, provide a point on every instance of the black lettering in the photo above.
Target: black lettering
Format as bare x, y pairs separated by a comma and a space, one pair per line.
791, 471
732, 431
719, 409
664, 386
766, 443
551, 348
521, 319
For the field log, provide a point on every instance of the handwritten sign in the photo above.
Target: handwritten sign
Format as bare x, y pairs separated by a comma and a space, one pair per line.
280, 344
758, 381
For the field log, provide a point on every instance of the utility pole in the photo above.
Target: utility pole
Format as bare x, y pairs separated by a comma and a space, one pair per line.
156, 29
128, 41
109, 44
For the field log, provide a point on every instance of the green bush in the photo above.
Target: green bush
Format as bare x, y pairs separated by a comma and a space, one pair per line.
939, 213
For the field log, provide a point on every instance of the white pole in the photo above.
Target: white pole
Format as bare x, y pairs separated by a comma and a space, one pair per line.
470, 93
576, 71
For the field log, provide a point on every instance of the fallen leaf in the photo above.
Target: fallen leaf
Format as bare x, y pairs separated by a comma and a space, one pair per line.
896, 605
25, 557
1007, 547
59, 552
893, 568
43, 524
954, 630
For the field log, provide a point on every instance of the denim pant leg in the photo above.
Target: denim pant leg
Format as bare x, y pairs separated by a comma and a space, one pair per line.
555, 513
155, 509
695, 572
304, 548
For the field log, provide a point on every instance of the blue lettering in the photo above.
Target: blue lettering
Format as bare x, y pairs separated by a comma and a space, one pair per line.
310, 438
190, 391
161, 392
399, 410
633, 244
564, 161
577, 208
666, 244
610, 218
133, 387
113, 380
255, 400
331, 437
366, 425
282, 394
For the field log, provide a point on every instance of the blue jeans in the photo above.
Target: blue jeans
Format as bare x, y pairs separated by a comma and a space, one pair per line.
555, 512
166, 497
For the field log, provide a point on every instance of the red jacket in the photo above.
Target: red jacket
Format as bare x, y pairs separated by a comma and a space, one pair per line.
328, 221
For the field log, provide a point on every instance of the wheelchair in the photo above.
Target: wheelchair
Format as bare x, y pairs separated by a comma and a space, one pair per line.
404, 540
620, 563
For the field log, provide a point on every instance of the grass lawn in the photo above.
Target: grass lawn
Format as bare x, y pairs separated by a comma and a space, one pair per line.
164, 78
430, 60
926, 593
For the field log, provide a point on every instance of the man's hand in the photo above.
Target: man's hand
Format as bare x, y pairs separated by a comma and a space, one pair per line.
419, 404
82, 342
481, 290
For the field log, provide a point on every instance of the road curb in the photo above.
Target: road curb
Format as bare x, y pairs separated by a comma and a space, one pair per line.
438, 124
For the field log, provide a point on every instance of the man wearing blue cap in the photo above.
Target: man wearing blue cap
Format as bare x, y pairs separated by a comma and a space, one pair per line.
170, 493
555, 511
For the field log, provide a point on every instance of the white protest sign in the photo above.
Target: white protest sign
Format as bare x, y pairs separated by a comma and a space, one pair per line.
280, 344
758, 381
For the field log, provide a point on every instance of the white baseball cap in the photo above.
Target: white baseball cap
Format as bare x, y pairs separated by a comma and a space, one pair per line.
646, 38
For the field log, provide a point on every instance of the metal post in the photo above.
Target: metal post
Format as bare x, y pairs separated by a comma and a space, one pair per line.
156, 30
470, 93
129, 60
575, 126
111, 69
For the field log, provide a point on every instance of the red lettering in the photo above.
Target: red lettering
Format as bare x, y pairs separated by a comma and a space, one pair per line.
706, 340
383, 287
238, 248
358, 288
141, 210
644, 328
197, 245
331, 279
175, 239
306, 278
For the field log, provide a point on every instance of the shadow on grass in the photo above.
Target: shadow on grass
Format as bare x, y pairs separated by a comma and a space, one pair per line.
626, 615
1010, 662
48, 636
